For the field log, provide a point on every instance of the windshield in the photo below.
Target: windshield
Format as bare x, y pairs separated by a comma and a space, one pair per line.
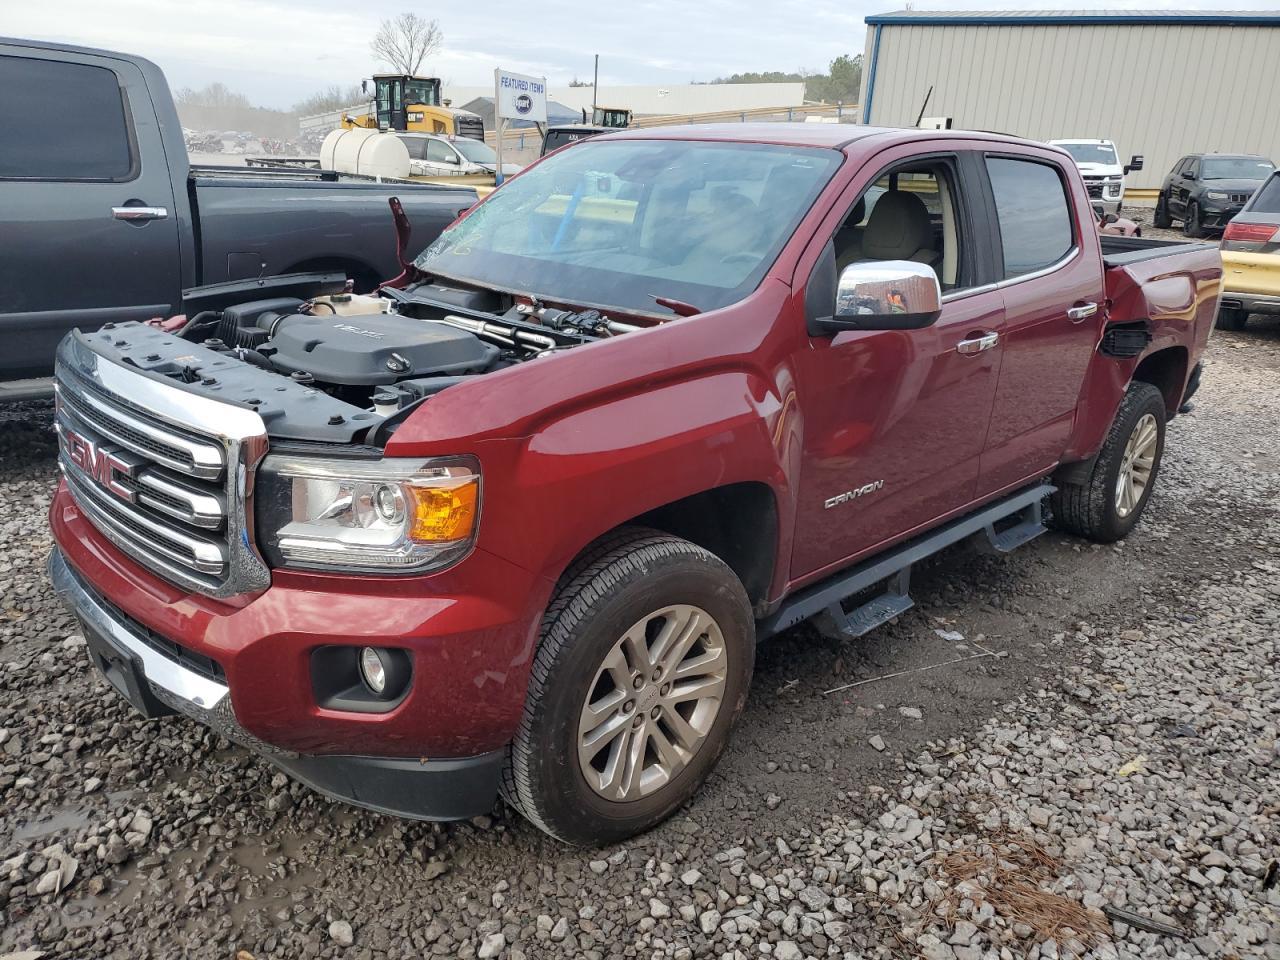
1235, 168
615, 223
475, 150
1102, 153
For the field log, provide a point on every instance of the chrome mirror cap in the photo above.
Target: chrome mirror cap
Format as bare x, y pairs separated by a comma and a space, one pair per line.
888, 295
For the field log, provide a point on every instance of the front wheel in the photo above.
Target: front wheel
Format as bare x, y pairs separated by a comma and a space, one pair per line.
1191, 225
1108, 505
643, 665
1161, 218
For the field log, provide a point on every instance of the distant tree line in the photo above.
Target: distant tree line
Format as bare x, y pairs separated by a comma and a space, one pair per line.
840, 84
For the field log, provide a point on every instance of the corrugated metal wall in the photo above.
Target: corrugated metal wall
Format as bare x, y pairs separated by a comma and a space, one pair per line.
1162, 90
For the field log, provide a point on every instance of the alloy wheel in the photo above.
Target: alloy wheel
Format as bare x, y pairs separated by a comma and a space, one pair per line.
652, 703
1136, 465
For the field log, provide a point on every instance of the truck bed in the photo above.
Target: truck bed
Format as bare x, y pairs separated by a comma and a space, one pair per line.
1126, 251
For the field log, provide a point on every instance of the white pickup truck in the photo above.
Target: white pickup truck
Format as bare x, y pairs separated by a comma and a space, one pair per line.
1099, 165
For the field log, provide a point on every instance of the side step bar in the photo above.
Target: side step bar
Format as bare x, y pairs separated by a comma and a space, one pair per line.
825, 600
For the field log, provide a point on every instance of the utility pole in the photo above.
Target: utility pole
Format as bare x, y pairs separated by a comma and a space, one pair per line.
595, 85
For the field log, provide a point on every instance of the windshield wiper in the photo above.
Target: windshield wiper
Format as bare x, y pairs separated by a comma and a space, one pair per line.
678, 307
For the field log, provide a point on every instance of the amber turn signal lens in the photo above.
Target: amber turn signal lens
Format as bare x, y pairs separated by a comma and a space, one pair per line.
443, 513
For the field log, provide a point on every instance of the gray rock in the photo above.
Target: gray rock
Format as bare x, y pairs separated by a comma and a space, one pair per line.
340, 932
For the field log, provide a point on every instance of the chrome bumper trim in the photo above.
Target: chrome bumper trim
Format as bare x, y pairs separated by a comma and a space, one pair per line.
160, 671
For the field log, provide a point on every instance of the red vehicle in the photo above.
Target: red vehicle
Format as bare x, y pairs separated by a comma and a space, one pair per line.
517, 524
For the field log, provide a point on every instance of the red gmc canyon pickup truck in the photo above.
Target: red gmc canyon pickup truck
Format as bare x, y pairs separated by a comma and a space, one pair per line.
516, 524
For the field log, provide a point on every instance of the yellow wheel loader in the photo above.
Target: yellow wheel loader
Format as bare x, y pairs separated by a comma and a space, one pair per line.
405, 104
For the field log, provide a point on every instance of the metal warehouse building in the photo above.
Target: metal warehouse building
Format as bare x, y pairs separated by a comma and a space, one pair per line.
1159, 83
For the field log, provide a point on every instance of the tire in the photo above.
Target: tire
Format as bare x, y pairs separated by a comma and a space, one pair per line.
631, 578
1092, 509
1191, 226
1231, 318
1161, 218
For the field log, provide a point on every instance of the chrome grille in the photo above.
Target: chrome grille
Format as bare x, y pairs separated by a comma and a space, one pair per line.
164, 474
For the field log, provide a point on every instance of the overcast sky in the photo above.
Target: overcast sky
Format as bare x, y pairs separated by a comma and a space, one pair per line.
279, 51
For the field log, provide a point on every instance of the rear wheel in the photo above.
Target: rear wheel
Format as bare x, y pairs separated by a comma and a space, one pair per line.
643, 666
1191, 225
1108, 505
1161, 217
1231, 318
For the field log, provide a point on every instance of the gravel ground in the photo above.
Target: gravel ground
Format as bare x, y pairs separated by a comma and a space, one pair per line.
1096, 728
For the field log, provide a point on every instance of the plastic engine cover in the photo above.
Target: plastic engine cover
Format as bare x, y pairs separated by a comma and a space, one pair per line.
373, 349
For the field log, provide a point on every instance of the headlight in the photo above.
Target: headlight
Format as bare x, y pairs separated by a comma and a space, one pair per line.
1217, 195
389, 516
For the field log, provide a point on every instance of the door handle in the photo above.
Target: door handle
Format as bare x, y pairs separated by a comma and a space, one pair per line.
1081, 311
139, 213
977, 344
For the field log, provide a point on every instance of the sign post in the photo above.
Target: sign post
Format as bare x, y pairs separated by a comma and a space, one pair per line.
517, 97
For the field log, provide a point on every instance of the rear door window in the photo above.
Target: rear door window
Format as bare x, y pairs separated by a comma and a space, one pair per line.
416, 146
62, 121
1033, 212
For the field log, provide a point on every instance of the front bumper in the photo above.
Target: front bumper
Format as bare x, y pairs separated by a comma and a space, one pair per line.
1216, 216
160, 678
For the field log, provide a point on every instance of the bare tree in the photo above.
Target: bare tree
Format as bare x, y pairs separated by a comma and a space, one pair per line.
405, 41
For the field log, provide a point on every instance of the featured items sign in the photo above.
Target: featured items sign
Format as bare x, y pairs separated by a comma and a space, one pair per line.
520, 97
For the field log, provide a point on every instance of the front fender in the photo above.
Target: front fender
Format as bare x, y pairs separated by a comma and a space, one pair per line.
582, 474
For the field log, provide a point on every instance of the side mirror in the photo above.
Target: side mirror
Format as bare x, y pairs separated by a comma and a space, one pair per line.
1109, 218
1135, 163
884, 295
364, 87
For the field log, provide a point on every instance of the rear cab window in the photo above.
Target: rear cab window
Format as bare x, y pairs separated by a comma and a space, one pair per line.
64, 121
1033, 211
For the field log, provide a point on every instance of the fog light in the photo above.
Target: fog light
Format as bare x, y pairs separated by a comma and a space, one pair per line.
372, 670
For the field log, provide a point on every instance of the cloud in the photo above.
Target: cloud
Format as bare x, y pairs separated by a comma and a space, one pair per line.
280, 51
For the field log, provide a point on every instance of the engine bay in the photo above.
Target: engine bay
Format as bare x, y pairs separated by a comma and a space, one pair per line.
320, 363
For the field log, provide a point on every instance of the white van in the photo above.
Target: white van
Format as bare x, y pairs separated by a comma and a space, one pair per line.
1099, 164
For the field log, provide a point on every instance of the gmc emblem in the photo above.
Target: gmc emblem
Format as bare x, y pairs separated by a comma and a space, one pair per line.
104, 465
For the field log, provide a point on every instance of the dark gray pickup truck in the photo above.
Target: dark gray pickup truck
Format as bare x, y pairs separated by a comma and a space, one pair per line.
102, 217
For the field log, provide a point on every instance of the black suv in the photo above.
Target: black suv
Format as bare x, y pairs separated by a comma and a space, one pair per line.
1205, 190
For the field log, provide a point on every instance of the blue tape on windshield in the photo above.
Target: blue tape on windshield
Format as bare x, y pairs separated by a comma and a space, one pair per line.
569, 211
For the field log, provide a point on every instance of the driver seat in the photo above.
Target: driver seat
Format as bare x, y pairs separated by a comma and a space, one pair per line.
899, 228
